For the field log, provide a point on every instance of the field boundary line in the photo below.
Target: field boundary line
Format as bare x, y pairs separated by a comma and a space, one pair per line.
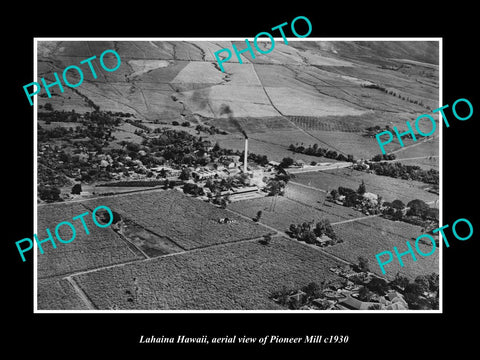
307, 186
356, 219
124, 239
83, 296
124, 193
285, 235
415, 158
375, 187
83, 272
412, 145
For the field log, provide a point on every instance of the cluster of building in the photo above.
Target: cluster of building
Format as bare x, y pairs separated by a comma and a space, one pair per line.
344, 295
347, 297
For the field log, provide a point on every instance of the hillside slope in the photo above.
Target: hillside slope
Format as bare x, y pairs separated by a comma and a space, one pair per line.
314, 87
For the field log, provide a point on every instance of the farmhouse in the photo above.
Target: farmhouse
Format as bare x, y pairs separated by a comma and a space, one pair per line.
323, 240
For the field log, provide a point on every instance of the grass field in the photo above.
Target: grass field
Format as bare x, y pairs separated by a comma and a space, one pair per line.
189, 222
230, 276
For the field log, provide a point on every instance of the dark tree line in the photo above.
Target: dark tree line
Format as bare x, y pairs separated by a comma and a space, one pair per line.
405, 172
315, 150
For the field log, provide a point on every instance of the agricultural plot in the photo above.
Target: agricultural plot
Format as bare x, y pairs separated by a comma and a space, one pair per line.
199, 72
244, 101
189, 222
144, 66
156, 78
388, 227
305, 195
109, 98
426, 162
367, 238
280, 212
353, 90
284, 54
297, 102
257, 126
387, 187
145, 49
102, 247
359, 146
58, 294
236, 276
277, 75
150, 244
327, 123
400, 83
424, 154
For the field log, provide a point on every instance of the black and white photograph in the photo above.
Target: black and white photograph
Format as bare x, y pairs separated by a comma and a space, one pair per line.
221, 178
260, 187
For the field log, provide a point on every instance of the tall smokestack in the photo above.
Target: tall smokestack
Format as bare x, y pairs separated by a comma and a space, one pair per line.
225, 109
245, 156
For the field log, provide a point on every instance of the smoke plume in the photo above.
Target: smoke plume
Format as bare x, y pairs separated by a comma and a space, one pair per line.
225, 109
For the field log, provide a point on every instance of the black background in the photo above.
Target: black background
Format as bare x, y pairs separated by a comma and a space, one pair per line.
369, 334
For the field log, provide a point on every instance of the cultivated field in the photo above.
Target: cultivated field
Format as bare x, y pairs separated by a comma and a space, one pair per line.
387, 187
58, 294
100, 248
171, 251
369, 237
191, 223
230, 276
280, 212
424, 154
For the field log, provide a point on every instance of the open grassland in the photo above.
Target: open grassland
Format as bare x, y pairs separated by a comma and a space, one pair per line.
387, 187
236, 276
58, 294
101, 247
369, 237
191, 223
